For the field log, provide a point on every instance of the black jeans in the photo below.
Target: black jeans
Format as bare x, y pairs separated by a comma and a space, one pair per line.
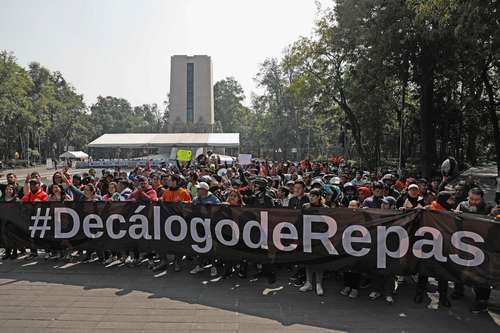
352, 280
482, 293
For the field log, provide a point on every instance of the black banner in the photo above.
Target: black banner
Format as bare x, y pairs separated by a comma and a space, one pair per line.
455, 247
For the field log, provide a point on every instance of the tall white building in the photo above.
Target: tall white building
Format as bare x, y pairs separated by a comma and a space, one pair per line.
191, 94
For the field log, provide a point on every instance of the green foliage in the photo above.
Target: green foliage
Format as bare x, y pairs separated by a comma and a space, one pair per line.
43, 114
433, 63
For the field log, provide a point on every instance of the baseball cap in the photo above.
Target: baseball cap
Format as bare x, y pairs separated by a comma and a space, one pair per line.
413, 186
34, 180
203, 185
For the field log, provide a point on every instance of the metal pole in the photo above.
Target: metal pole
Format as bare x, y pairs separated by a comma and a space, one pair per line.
28, 147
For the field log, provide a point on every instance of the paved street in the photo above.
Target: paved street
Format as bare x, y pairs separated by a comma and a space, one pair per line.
39, 296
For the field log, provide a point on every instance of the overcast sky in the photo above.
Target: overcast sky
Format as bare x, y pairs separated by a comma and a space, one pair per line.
122, 48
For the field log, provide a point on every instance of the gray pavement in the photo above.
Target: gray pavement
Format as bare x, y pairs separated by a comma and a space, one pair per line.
40, 296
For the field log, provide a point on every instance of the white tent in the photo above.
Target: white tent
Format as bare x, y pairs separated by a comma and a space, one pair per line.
151, 140
75, 155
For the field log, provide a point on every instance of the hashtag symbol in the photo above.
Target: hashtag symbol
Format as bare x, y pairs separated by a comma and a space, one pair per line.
40, 222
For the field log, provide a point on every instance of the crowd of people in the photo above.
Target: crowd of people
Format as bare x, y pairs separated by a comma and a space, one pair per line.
260, 184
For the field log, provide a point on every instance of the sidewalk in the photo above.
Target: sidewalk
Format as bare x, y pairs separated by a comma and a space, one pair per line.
40, 296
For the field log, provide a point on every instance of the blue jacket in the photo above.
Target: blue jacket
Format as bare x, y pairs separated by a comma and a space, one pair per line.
209, 200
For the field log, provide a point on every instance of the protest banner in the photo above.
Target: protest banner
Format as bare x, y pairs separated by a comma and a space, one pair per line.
454, 247
245, 159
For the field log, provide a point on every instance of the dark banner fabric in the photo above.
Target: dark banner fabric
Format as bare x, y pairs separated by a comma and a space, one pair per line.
455, 247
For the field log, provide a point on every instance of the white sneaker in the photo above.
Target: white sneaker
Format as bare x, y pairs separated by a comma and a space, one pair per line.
197, 269
47, 256
374, 295
108, 261
306, 287
354, 293
345, 291
129, 260
319, 289
213, 271
389, 299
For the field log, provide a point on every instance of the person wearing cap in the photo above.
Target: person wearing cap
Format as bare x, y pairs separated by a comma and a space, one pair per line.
33, 175
348, 193
363, 193
411, 199
317, 183
390, 190
259, 194
283, 198
375, 201
204, 196
315, 200
383, 281
77, 180
36, 192
388, 203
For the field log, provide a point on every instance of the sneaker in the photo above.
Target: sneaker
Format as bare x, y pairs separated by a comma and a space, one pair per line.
374, 295
479, 306
108, 261
46, 256
129, 260
389, 299
354, 293
298, 282
197, 269
162, 266
319, 289
306, 287
345, 291
213, 271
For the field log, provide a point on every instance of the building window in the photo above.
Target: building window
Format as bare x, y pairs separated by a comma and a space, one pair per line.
190, 92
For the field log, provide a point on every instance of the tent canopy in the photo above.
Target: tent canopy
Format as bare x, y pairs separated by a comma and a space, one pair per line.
80, 155
153, 140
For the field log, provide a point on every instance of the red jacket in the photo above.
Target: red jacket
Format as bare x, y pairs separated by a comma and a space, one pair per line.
38, 196
148, 194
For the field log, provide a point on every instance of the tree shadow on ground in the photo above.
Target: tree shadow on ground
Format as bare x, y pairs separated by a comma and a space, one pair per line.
285, 305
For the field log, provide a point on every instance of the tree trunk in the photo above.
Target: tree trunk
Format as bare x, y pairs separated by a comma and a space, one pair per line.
428, 153
493, 115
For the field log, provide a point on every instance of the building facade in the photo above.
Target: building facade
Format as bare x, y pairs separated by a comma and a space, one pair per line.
191, 94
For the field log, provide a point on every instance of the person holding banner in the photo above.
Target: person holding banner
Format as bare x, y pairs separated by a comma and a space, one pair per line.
444, 202
173, 193
144, 192
315, 201
474, 204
